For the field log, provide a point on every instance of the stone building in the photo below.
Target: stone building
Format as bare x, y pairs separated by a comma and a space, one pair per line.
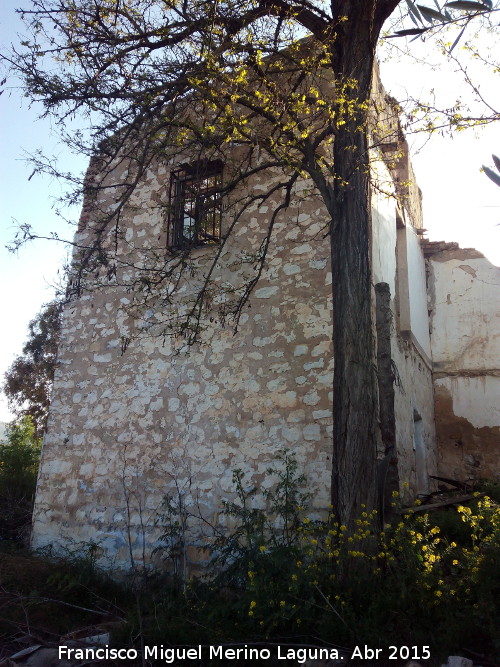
137, 415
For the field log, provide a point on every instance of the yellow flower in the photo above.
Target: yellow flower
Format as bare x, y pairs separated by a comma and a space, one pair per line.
455, 562
253, 604
282, 603
439, 594
262, 548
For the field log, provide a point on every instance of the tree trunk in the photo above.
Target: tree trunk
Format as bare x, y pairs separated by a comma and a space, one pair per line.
355, 408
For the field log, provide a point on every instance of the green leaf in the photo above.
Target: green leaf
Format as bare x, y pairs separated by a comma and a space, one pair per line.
496, 160
491, 174
414, 13
458, 38
411, 31
413, 18
467, 5
431, 14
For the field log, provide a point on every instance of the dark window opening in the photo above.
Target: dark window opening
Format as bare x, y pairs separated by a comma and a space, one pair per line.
195, 209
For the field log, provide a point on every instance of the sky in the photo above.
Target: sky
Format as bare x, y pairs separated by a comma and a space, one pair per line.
460, 203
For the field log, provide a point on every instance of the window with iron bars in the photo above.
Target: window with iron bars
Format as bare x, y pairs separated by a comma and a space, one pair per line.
195, 209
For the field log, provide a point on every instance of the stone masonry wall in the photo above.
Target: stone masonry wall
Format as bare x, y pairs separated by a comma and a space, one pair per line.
136, 415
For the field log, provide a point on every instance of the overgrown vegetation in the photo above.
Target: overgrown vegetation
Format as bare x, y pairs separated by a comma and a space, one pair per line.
43, 598
19, 458
287, 576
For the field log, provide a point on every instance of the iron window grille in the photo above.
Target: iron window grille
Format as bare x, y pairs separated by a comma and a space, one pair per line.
195, 209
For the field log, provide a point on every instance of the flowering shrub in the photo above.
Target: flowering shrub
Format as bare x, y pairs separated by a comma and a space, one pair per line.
319, 579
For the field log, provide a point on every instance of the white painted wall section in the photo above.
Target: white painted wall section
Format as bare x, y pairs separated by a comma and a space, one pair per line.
419, 318
466, 316
384, 240
476, 399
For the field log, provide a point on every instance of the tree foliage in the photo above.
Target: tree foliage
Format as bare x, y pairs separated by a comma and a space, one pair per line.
28, 382
154, 78
493, 175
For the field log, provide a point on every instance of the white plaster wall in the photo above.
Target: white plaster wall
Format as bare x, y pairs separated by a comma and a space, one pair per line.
466, 311
413, 395
419, 316
384, 240
476, 399
465, 301
413, 387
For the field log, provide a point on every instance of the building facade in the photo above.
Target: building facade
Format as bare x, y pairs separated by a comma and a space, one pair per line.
138, 415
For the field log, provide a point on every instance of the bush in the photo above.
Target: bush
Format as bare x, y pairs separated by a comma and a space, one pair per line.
285, 575
281, 576
19, 459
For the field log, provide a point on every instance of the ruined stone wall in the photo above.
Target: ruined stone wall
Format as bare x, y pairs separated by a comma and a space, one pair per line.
136, 415
463, 287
